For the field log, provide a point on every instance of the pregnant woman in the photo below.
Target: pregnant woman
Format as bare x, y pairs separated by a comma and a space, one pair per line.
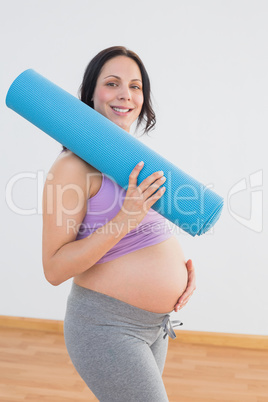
129, 272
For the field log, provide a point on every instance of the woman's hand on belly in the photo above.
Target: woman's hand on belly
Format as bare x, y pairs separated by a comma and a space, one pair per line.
191, 286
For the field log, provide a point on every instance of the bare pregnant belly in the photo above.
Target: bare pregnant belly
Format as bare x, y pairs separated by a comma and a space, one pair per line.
152, 278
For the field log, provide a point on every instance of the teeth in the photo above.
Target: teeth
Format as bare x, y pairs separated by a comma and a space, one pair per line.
121, 110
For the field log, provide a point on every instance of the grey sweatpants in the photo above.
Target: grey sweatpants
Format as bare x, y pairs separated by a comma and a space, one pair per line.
118, 349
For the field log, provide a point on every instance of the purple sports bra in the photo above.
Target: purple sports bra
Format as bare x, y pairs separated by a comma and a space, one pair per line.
104, 205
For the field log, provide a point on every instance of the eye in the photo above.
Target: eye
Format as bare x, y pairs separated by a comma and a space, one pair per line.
111, 84
136, 87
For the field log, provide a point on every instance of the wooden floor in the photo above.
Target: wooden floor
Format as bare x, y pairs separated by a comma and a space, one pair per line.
35, 366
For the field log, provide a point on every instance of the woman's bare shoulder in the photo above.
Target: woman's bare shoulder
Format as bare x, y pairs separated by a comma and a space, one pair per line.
68, 163
69, 156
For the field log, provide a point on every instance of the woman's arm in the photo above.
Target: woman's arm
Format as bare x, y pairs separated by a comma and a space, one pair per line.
65, 196
75, 257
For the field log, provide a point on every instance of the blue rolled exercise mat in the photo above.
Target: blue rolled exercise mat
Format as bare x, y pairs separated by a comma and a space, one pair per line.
186, 202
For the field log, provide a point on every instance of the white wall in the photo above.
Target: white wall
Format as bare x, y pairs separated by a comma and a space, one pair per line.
208, 65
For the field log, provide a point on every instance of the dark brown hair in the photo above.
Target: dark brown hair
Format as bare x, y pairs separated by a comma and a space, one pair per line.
86, 89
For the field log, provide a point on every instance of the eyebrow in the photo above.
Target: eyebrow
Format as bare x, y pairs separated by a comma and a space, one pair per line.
116, 76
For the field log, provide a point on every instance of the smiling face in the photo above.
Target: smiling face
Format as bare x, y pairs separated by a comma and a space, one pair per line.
118, 93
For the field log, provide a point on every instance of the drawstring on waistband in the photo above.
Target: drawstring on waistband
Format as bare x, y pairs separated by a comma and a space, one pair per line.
169, 330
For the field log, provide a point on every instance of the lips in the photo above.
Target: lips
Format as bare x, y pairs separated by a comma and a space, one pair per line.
121, 110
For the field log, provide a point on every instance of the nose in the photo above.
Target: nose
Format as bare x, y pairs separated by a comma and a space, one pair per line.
124, 92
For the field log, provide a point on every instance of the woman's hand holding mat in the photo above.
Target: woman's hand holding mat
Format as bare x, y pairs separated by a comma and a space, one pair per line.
139, 199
